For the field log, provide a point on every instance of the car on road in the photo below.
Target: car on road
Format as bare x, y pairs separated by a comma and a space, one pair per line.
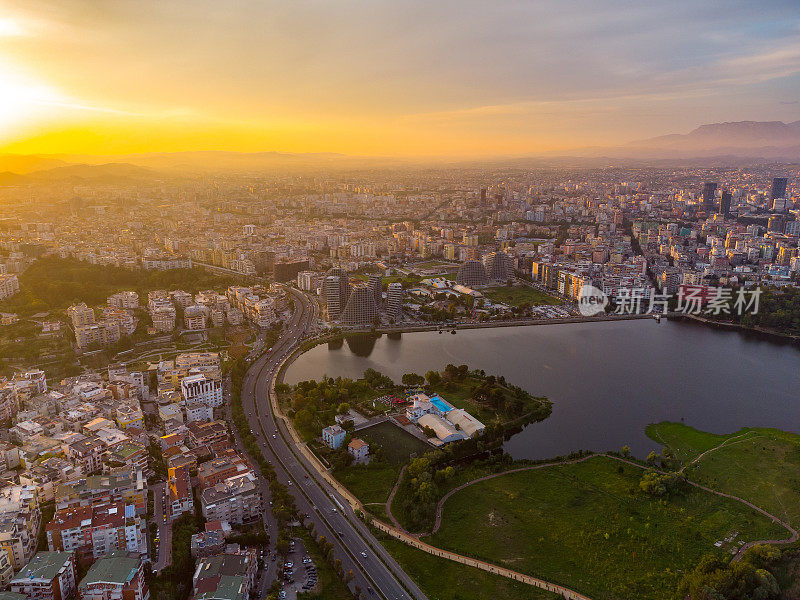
364, 554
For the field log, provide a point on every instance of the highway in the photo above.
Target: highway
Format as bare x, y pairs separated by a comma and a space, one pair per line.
375, 571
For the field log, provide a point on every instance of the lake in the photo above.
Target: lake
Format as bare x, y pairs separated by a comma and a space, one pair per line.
607, 381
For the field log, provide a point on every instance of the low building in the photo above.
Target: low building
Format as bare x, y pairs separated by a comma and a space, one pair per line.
207, 543
118, 576
443, 429
359, 449
465, 422
48, 576
333, 436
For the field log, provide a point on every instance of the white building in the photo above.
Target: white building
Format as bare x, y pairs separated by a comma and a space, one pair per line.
196, 389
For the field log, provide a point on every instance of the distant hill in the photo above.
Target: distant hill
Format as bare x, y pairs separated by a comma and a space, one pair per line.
27, 163
716, 143
7, 178
110, 172
722, 137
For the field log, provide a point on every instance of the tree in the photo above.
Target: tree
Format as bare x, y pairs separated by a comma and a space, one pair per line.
344, 408
433, 377
303, 419
715, 579
411, 379
626, 451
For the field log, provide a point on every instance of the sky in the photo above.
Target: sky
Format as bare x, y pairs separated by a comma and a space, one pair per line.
386, 77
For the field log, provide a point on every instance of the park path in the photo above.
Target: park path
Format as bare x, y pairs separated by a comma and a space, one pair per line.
391, 498
793, 535
736, 439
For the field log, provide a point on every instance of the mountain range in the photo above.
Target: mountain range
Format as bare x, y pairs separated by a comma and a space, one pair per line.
719, 143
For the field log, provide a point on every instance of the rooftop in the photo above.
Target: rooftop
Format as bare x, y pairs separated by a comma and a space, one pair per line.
45, 565
116, 568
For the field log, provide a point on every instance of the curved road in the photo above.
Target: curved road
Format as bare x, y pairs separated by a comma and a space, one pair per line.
376, 572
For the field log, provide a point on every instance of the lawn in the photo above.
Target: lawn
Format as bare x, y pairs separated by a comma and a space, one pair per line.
759, 465
587, 526
370, 483
443, 579
516, 295
397, 444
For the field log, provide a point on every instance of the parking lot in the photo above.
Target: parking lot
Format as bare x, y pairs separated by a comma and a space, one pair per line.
299, 572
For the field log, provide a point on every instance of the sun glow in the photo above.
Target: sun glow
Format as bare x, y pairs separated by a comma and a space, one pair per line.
22, 100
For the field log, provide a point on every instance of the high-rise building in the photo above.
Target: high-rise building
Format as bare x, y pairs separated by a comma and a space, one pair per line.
472, 273
375, 283
725, 203
709, 189
499, 266
361, 308
394, 301
779, 187
335, 291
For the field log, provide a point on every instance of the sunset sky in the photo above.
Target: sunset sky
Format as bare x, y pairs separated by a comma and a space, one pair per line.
386, 77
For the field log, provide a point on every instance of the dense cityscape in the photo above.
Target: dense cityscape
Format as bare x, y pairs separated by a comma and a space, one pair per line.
399, 300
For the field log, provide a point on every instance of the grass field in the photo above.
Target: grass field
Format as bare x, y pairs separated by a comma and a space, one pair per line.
759, 465
397, 444
443, 579
370, 483
587, 526
515, 295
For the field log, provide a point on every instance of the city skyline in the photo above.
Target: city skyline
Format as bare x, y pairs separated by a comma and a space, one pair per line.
408, 79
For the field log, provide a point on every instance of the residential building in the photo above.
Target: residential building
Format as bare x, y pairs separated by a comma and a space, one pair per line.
225, 576
198, 389
48, 576
129, 300
217, 470
358, 449
20, 520
163, 318
333, 436
194, 318
235, 500
181, 499
394, 301
93, 531
81, 315
9, 285
361, 308
118, 576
